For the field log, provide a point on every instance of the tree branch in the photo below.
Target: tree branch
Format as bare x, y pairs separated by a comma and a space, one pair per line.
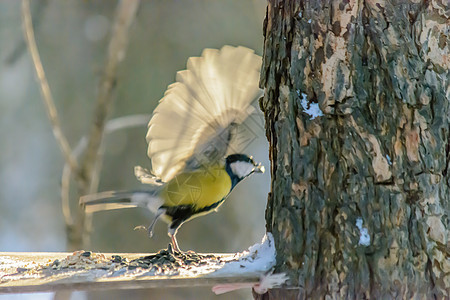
125, 14
111, 126
45, 89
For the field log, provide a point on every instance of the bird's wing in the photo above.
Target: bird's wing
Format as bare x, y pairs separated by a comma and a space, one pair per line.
193, 122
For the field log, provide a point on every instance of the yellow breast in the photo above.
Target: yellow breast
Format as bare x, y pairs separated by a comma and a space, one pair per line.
200, 189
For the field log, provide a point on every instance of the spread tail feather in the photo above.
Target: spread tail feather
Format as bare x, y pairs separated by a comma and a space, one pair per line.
121, 199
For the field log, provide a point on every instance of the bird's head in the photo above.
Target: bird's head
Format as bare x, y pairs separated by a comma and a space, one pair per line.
240, 166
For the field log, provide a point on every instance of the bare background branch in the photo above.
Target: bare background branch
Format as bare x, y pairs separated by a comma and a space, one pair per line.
113, 125
88, 174
45, 89
20, 46
91, 163
126, 12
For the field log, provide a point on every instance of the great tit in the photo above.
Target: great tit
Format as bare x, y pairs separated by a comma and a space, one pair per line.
194, 164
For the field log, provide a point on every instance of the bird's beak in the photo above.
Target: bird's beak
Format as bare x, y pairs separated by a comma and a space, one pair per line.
259, 168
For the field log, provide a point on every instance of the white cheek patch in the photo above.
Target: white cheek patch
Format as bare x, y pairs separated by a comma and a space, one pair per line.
241, 168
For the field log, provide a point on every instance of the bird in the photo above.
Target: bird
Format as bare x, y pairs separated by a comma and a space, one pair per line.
195, 163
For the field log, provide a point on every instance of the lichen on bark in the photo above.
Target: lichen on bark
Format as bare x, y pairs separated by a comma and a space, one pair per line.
377, 161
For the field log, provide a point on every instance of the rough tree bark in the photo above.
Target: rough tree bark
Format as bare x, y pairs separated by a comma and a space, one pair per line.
360, 196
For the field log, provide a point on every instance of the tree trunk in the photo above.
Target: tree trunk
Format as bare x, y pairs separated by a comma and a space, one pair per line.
360, 193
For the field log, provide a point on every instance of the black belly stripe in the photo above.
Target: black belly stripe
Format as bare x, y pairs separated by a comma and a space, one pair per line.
182, 213
179, 212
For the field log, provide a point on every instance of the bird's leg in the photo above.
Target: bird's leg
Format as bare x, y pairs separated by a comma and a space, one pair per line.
159, 212
174, 243
172, 232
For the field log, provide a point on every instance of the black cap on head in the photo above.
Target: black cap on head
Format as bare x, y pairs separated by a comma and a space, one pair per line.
239, 157
240, 166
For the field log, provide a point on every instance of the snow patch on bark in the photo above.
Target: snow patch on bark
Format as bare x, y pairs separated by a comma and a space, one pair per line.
313, 110
364, 237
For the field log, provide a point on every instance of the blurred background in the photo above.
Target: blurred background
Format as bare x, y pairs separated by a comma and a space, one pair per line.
72, 37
